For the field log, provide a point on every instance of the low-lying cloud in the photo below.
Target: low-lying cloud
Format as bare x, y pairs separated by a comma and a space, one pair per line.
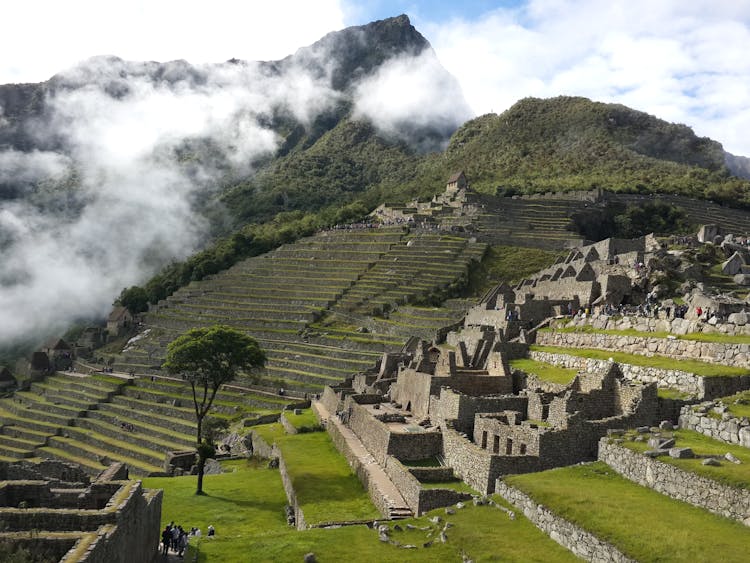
128, 131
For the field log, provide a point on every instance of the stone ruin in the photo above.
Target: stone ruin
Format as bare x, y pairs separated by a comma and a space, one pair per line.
459, 402
54, 510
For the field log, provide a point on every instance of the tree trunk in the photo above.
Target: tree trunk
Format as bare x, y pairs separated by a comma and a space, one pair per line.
201, 465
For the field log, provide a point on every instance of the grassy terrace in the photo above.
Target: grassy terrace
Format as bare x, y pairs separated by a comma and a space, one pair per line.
306, 419
702, 369
735, 475
641, 523
693, 336
246, 506
544, 371
326, 488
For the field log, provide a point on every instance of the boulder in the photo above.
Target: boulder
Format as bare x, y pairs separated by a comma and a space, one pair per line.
666, 425
731, 457
739, 319
745, 436
681, 453
310, 558
710, 461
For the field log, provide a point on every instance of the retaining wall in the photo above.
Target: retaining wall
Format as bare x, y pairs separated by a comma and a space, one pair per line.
731, 502
732, 430
582, 543
713, 352
703, 387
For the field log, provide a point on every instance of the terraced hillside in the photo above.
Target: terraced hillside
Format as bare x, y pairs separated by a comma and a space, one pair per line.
92, 420
308, 303
538, 223
699, 212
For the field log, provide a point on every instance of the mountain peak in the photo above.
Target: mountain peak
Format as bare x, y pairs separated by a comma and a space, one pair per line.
357, 50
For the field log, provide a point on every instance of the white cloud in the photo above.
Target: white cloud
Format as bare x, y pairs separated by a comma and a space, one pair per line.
682, 61
411, 92
48, 36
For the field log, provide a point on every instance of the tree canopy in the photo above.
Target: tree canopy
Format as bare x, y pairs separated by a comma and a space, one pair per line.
208, 358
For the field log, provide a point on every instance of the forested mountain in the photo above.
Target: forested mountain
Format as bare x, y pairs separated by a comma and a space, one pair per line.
113, 169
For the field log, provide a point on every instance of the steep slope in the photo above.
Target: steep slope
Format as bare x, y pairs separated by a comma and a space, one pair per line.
573, 143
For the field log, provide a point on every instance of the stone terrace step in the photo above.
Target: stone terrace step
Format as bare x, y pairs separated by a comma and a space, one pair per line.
28, 420
91, 466
147, 420
95, 453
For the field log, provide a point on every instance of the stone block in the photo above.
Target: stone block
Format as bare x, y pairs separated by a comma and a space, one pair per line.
681, 453
666, 425
711, 461
731, 457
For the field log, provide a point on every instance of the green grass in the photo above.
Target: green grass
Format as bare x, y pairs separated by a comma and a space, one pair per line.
669, 393
702, 369
429, 462
247, 509
693, 336
738, 404
454, 485
325, 486
510, 264
544, 371
735, 475
642, 523
306, 419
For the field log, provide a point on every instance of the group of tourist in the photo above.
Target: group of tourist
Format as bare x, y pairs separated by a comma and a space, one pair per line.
177, 539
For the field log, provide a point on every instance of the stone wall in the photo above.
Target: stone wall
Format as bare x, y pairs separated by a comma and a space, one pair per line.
732, 430
672, 378
713, 352
582, 543
418, 499
724, 500
381, 442
360, 469
661, 324
703, 387
478, 467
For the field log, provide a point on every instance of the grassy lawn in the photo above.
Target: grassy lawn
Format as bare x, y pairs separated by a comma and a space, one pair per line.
738, 404
735, 475
247, 509
325, 486
453, 484
693, 336
702, 369
669, 393
306, 419
544, 371
642, 523
510, 264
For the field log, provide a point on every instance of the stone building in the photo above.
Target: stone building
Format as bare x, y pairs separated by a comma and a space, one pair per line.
7, 381
53, 509
119, 321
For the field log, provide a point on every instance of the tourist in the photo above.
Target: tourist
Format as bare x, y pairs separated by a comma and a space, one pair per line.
211, 531
182, 542
175, 538
166, 540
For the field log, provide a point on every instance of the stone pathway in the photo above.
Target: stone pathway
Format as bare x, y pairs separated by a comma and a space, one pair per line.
397, 507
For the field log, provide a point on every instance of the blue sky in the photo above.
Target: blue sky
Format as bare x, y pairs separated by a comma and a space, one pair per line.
684, 61
424, 10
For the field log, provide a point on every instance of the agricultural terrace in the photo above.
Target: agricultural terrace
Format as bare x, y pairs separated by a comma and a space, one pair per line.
641, 523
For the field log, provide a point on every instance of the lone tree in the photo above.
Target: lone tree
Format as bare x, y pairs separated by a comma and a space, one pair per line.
208, 358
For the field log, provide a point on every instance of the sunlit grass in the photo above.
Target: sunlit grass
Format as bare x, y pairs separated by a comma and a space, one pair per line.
703, 369
640, 522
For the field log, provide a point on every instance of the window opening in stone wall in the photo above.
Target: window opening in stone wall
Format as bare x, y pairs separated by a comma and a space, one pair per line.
508, 446
496, 445
484, 440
